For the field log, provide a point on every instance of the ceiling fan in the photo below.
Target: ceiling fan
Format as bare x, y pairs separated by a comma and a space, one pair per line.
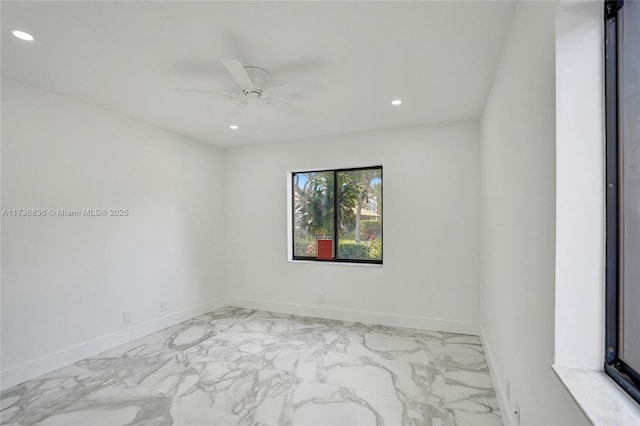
254, 88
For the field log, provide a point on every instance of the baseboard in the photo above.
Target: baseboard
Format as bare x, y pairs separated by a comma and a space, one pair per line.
395, 320
508, 417
37, 367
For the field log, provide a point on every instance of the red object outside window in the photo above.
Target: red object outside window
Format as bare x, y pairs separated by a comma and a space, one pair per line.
325, 249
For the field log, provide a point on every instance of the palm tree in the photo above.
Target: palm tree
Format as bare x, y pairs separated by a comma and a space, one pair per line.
314, 200
365, 193
314, 204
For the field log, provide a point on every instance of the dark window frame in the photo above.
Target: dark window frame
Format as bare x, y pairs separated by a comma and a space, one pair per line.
335, 221
614, 366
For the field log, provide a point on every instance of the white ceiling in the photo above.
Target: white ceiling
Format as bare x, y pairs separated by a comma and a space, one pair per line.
130, 56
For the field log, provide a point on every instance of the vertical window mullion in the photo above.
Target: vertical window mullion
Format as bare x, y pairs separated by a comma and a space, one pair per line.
611, 116
294, 217
336, 217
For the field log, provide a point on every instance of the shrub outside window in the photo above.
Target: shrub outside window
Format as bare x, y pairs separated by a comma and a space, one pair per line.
337, 215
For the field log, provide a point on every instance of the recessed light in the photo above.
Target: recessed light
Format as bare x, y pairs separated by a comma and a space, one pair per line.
22, 35
396, 102
233, 127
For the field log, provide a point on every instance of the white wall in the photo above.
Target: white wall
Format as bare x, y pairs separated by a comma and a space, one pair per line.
67, 280
430, 276
580, 251
518, 222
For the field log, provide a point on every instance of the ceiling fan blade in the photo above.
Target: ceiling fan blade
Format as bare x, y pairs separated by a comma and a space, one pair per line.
238, 73
209, 92
295, 88
284, 105
236, 109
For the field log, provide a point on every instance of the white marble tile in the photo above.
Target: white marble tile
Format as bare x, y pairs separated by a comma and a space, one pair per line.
471, 418
315, 403
470, 379
239, 366
107, 416
35, 400
462, 338
459, 356
468, 391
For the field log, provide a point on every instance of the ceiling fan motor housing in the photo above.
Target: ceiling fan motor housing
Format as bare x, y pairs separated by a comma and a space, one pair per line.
259, 77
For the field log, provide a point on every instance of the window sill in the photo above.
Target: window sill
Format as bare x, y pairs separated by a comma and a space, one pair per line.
601, 399
319, 262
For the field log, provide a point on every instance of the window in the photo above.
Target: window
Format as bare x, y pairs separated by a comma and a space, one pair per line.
337, 215
622, 91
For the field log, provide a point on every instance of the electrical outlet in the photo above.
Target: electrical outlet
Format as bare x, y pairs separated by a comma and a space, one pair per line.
164, 306
517, 413
508, 389
322, 299
126, 317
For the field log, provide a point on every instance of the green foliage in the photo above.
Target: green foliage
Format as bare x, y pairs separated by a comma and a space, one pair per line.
305, 248
314, 203
348, 197
353, 250
370, 229
375, 250
366, 250
314, 207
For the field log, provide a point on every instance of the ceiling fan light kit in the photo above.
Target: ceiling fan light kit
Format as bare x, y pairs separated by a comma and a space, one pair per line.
22, 35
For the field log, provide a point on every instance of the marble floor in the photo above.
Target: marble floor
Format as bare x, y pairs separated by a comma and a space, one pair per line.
245, 367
